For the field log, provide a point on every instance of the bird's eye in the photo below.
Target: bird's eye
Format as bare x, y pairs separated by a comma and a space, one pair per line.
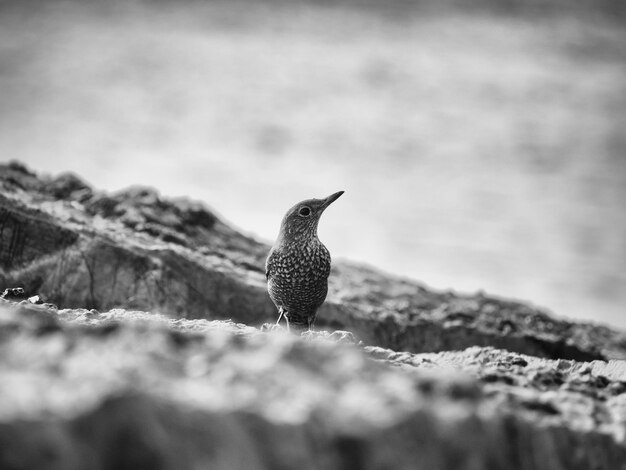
304, 211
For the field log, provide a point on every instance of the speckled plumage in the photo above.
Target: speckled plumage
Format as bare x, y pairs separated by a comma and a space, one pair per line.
298, 264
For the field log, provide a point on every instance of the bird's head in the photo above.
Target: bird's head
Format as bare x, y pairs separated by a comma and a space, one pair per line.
300, 222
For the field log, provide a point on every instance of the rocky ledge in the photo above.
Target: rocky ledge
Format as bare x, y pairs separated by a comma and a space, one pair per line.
83, 248
92, 377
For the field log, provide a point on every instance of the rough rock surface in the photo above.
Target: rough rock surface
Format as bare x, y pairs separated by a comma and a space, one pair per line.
435, 380
127, 389
80, 247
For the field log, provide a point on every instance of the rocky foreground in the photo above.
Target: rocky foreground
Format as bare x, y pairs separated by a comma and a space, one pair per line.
128, 389
153, 358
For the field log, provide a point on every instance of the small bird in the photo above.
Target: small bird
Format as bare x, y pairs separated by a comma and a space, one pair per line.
298, 264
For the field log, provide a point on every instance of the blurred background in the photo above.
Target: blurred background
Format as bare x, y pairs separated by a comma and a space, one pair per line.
481, 144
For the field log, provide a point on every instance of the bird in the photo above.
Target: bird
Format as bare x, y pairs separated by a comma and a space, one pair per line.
298, 264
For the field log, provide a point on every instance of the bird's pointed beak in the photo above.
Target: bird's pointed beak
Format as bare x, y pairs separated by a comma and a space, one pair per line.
330, 199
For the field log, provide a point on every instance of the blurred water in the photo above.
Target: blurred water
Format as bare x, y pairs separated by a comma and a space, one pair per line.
477, 151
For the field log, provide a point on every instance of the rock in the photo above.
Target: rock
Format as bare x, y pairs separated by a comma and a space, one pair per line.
130, 389
81, 248
13, 293
68, 186
35, 299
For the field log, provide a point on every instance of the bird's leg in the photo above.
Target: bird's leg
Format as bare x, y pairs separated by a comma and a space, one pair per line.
280, 315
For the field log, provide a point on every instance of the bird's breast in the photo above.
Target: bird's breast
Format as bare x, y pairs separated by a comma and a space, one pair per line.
299, 263
298, 278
